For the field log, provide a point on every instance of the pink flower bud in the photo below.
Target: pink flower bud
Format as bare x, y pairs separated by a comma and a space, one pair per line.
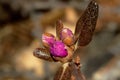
58, 49
67, 36
48, 39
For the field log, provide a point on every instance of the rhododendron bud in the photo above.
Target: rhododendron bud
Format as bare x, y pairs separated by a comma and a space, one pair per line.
58, 49
67, 36
48, 39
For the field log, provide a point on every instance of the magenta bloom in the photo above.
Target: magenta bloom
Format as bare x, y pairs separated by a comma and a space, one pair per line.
48, 39
58, 49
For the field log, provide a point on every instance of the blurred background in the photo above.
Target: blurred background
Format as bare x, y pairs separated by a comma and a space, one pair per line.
23, 21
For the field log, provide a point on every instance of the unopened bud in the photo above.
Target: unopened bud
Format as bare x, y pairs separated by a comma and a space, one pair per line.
48, 39
67, 36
